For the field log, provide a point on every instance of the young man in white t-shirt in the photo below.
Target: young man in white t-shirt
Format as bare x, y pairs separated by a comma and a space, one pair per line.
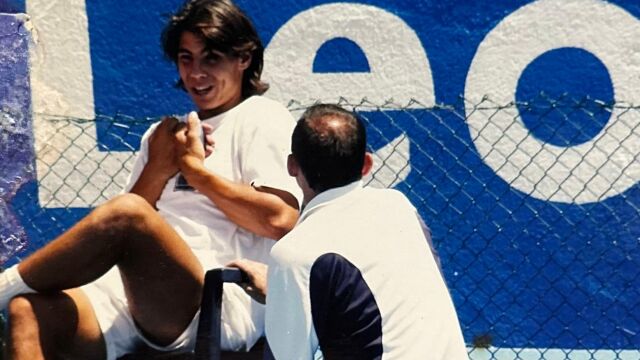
130, 274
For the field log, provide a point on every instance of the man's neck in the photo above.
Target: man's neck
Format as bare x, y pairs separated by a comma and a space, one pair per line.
307, 197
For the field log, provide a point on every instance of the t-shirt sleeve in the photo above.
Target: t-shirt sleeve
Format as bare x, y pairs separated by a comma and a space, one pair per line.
265, 147
289, 326
141, 159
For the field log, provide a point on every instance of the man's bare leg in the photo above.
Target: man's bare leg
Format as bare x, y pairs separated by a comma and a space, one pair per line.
162, 277
60, 325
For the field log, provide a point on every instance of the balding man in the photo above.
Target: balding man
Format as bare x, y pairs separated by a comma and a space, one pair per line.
356, 276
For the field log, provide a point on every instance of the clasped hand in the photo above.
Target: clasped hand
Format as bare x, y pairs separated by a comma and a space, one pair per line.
176, 145
190, 152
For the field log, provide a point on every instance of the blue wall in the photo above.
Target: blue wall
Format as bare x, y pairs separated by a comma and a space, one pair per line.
508, 275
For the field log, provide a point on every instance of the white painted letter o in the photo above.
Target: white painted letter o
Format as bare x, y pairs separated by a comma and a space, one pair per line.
603, 167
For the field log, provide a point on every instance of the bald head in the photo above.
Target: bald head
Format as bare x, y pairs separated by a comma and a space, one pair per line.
329, 145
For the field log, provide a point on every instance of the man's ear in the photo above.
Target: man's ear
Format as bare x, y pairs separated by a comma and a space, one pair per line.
292, 166
368, 163
244, 60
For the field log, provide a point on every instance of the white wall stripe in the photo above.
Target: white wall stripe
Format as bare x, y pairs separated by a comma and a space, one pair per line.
62, 86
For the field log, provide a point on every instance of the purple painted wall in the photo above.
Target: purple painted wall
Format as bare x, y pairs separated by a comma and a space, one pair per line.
16, 135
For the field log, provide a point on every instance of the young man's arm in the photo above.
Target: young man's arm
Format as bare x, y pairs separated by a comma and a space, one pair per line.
156, 163
160, 165
262, 210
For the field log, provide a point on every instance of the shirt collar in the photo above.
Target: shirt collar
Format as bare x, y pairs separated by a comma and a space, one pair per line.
216, 120
327, 197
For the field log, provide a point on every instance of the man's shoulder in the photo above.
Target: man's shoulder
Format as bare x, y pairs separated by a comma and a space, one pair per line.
299, 234
259, 112
303, 242
386, 197
263, 104
262, 100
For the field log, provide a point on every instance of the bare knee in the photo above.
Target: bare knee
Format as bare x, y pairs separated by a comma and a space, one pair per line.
24, 330
53, 326
41, 312
19, 310
125, 212
126, 206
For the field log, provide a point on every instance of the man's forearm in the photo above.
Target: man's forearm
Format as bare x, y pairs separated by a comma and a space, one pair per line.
149, 185
263, 211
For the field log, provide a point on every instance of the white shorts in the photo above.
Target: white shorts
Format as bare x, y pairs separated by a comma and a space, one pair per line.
242, 319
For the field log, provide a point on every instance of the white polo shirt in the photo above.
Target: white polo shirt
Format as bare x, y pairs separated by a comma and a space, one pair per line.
358, 267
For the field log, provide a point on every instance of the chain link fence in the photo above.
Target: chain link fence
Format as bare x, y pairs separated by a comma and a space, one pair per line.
534, 209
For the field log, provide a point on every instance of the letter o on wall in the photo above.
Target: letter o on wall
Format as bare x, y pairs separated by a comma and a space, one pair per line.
603, 167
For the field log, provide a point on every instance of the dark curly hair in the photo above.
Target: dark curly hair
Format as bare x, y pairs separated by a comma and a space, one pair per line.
223, 27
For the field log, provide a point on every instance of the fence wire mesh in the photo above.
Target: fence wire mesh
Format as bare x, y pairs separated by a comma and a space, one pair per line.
534, 208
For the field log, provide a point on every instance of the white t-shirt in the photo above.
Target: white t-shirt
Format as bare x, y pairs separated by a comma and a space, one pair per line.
252, 142
358, 266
